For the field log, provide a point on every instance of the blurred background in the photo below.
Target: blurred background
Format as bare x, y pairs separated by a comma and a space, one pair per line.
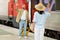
8, 13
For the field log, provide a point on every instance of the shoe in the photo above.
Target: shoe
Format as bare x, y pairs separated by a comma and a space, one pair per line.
19, 37
25, 36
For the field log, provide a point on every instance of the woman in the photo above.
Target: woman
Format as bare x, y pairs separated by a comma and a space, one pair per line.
40, 17
22, 19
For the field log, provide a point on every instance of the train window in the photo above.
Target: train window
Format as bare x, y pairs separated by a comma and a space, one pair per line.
46, 1
52, 4
57, 4
36, 2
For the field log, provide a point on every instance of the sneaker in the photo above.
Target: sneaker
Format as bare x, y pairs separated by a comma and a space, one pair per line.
19, 37
25, 36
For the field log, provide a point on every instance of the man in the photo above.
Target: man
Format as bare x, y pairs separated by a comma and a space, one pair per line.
40, 17
22, 19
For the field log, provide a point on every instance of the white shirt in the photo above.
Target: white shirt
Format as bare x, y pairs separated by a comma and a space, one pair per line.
40, 19
23, 17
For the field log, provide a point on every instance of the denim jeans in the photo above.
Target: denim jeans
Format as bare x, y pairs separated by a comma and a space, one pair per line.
22, 24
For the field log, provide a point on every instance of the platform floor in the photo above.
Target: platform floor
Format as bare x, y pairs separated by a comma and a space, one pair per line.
9, 33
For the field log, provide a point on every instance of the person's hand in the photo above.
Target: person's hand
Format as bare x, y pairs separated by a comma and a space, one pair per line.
32, 27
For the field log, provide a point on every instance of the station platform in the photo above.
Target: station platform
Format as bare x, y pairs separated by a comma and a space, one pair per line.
9, 33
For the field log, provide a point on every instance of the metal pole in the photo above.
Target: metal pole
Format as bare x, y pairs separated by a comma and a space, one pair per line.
40, 1
30, 10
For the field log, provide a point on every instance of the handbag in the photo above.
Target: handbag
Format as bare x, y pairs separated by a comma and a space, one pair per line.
32, 27
19, 16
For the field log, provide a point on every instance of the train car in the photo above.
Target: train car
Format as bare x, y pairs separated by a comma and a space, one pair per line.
8, 11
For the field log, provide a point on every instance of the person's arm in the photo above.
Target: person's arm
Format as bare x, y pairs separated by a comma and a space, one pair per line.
48, 6
18, 16
35, 17
27, 16
32, 26
33, 23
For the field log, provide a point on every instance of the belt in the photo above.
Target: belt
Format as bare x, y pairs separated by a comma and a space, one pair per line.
23, 20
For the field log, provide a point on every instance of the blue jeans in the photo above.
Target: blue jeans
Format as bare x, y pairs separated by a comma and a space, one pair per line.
22, 24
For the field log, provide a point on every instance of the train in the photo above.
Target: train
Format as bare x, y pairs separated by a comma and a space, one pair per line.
8, 13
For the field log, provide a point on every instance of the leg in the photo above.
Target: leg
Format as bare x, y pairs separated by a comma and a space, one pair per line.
20, 27
39, 34
36, 34
25, 25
